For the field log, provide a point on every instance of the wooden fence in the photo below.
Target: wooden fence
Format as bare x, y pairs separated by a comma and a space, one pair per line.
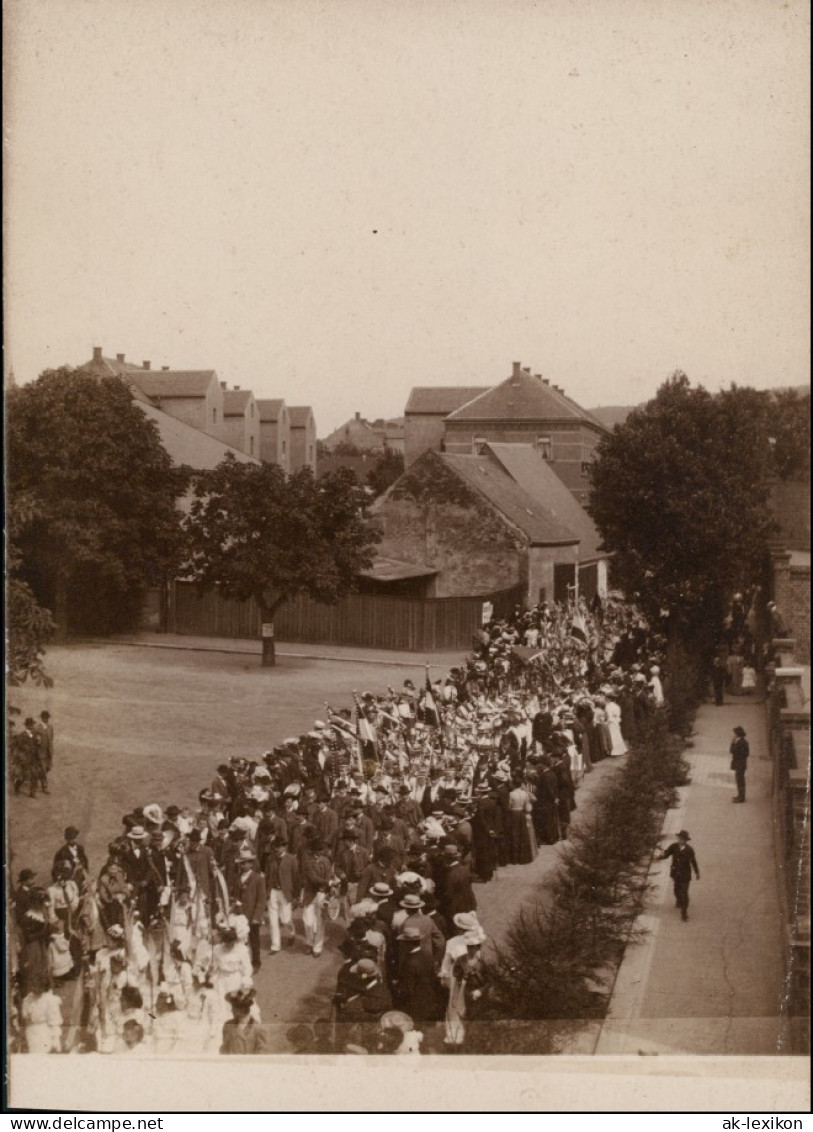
363, 620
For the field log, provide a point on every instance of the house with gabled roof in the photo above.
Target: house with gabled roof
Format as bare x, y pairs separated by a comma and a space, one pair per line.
303, 437
241, 420
489, 520
525, 408
426, 411
275, 432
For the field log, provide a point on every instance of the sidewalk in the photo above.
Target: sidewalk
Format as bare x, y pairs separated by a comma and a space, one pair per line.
298, 650
712, 985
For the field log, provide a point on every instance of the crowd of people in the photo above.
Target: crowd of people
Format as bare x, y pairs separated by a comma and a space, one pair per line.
383, 818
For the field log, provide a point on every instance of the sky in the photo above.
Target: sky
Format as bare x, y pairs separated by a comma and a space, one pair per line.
331, 202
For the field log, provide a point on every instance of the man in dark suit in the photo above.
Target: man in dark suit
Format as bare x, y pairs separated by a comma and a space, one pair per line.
486, 826
252, 896
739, 751
542, 725
457, 894
282, 886
683, 861
75, 855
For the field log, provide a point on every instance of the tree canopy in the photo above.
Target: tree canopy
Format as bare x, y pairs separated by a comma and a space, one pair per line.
102, 522
679, 494
386, 470
29, 627
255, 533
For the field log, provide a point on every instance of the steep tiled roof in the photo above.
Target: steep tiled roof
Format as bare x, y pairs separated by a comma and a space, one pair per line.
441, 399
522, 397
235, 402
524, 510
172, 382
298, 415
529, 469
270, 410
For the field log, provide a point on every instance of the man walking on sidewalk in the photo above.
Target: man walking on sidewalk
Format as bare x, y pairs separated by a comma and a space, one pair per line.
739, 760
683, 861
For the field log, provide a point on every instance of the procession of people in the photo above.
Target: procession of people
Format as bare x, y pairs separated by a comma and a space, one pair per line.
383, 818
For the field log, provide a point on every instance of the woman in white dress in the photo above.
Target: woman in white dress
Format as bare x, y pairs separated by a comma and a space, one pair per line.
619, 747
231, 965
42, 1019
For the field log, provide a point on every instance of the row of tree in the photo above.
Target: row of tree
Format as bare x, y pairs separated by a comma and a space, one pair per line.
679, 493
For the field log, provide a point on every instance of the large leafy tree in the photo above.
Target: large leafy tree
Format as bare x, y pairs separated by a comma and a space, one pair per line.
29, 627
100, 490
255, 533
679, 494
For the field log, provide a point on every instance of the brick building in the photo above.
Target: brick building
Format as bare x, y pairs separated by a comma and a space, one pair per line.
525, 408
488, 521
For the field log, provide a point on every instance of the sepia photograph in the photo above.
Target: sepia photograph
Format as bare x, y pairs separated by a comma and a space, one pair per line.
407, 472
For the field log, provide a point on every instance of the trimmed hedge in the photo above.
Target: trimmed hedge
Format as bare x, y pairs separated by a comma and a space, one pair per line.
561, 952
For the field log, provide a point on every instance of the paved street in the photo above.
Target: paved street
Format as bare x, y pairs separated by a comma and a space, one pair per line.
712, 985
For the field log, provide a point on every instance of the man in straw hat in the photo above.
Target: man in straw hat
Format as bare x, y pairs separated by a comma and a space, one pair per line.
252, 896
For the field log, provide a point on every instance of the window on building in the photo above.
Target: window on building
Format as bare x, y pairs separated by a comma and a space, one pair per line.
586, 468
283, 447
251, 407
310, 452
214, 416
544, 445
251, 446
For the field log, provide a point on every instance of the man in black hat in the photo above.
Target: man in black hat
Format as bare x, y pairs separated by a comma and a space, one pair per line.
456, 894
316, 874
739, 751
486, 826
74, 854
683, 861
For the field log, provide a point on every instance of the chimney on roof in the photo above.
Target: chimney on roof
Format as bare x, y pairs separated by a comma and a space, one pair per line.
119, 357
164, 368
526, 369
516, 369
545, 380
358, 416
147, 365
97, 353
223, 385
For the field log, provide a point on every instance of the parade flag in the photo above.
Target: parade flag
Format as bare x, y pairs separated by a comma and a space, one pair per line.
578, 628
431, 715
222, 890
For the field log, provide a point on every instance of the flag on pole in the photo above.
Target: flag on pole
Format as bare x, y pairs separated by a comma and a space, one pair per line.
578, 628
431, 715
431, 712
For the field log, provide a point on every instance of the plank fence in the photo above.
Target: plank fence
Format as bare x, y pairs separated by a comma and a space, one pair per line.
363, 620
